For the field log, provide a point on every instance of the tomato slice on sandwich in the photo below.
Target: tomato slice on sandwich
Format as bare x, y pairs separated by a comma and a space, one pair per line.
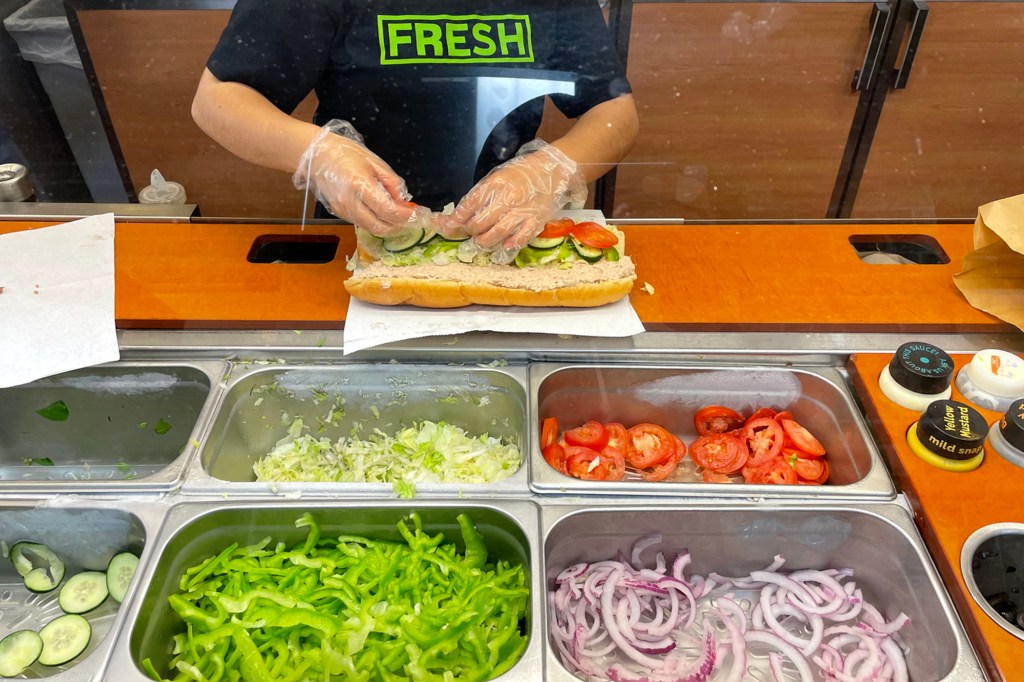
557, 228
594, 235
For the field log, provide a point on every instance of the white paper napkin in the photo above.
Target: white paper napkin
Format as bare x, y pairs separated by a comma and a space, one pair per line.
57, 299
368, 325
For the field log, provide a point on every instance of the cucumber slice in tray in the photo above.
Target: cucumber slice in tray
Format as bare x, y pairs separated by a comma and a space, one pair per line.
83, 592
64, 638
18, 651
119, 574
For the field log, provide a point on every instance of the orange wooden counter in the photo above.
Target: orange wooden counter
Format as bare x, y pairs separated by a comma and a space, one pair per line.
707, 277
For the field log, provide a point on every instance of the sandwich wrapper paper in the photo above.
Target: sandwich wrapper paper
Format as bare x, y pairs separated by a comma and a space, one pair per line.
57, 299
368, 325
993, 274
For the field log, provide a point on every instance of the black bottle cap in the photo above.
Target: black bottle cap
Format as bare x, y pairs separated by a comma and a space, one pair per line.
921, 368
1012, 424
952, 430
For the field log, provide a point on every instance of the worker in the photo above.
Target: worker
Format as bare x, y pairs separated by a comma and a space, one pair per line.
393, 106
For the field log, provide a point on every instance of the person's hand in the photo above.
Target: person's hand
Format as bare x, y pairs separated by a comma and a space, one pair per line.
510, 205
354, 183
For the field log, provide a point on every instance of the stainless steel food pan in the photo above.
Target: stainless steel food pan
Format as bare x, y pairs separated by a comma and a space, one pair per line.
195, 531
129, 426
670, 396
260, 404
85, 538
878, 541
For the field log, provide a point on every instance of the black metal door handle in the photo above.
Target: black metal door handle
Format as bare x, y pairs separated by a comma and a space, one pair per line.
881, 21
916, 29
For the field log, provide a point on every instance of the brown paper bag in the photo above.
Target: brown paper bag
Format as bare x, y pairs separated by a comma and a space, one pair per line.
993, 274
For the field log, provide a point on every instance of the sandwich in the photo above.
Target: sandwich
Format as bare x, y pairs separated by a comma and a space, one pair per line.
568, 264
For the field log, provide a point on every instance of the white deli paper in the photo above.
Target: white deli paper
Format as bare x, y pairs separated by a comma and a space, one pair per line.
368, 325
57, 299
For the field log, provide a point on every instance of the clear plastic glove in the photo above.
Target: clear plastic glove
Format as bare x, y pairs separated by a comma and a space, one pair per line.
510, 205
354, 183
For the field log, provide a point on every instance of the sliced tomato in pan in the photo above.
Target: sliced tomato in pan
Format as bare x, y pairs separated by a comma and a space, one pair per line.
764, 439
549, 432
554, 454
660, 472
590, 465
716, 419
649, 445
720, 452
802, 438
591, 435
618, 436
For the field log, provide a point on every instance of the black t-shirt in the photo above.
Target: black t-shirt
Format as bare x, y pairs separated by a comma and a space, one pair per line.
443, 94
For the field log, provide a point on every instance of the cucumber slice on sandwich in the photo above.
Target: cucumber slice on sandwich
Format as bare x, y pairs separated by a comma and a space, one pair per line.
38, 565
546, 242
119, 574
18, 651
64, 638
405, 240
83, 592
587, 253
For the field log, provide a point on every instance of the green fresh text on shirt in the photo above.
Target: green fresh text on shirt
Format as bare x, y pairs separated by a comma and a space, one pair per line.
454, 39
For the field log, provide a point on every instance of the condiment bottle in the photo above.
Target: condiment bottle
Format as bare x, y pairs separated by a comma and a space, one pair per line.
993, 379
949, 435
1007, 436
918, 374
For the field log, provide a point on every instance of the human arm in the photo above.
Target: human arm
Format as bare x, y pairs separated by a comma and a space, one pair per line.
510, 205
350, 180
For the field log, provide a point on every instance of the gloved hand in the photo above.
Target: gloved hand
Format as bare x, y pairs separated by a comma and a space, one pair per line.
354, 183
510, 205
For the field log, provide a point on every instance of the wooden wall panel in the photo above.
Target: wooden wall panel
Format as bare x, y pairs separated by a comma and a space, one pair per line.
148, 64
745, 108
954, 138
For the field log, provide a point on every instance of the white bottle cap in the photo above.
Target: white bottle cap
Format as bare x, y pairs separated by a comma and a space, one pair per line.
997, 372
161, 191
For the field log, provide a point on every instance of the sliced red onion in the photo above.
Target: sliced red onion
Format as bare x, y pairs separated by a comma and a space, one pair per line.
679, 565
623, 609
895, 657
773, 640
571, 573
640, 545
775, 663
737, 640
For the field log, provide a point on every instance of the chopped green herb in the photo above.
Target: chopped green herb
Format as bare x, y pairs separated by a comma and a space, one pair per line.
194, 443
38, 461
55, 412
162, 427
321, 342
143, 425
375, 411
450, 400
123, 467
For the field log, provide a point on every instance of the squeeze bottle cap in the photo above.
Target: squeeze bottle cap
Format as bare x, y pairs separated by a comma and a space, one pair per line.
997, 372
921, 368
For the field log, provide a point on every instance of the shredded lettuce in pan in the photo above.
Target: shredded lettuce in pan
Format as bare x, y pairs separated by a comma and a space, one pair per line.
427, 452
